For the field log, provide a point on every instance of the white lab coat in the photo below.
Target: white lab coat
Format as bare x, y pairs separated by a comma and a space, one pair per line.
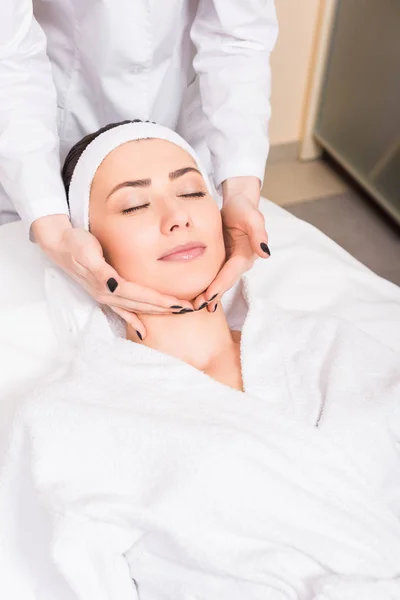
68, 67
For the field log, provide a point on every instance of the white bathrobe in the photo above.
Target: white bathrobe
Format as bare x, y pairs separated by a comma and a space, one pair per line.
137, 476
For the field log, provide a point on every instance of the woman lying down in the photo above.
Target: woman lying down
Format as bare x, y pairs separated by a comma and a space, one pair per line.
212, 460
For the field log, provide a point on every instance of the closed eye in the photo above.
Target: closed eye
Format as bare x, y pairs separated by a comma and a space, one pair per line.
194, 195
126, 211
133, 208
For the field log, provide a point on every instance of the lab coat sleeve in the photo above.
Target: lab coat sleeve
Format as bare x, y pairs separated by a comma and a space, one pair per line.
234, 40
29, 144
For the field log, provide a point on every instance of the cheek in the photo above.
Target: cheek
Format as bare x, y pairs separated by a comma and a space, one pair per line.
212, 226
127, 247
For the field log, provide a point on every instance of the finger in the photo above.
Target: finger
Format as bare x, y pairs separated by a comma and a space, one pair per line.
132, 320
200, 302
78, 271
257, 234
115, 301
230, 273
212, 306
91, 265
104, 280
147, 295
137, 307
82, 277
213, 302
107, 284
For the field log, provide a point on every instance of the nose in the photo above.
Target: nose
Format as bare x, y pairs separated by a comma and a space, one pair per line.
175, 216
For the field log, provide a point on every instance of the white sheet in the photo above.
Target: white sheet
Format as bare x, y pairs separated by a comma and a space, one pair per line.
138, 465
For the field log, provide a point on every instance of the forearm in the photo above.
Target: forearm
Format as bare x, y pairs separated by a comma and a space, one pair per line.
29, 145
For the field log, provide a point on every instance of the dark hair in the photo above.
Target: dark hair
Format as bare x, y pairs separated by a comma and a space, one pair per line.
76, 151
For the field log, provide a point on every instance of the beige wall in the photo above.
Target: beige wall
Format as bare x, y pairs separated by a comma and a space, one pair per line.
290, 64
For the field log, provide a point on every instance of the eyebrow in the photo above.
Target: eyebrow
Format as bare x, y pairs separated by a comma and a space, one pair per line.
142, 183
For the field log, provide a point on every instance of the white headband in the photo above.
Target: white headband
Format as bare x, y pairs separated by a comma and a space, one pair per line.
94, 154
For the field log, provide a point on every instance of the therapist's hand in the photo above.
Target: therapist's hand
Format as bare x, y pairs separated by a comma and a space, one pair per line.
80, 255
244, 232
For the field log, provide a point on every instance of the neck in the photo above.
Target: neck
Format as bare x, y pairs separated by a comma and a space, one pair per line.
197, 338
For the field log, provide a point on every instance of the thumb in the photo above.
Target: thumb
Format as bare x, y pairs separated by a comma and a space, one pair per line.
105, 276
98, 271
257, 233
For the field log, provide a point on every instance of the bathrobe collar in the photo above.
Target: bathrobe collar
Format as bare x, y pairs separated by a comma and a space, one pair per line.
262, 363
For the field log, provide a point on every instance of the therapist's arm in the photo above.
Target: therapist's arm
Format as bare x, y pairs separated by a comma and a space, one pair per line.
30, 168
234, 40
29, 144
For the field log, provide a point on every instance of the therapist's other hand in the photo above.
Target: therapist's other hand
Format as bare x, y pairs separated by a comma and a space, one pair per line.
245, 236
80, 255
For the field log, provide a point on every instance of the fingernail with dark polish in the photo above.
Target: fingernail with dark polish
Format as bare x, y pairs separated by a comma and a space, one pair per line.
112, 284
265, 248
211, 299
215, 308
176, 306
203, 305
139, 335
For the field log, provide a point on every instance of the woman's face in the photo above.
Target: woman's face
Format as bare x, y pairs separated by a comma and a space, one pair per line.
148, 199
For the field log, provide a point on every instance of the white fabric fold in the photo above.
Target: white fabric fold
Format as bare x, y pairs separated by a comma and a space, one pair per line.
154, 481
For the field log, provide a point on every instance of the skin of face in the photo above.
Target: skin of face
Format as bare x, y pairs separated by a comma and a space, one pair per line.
139, 223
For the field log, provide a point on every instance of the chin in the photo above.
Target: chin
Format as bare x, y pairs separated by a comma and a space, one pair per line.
185, 289
191, 283
186, 292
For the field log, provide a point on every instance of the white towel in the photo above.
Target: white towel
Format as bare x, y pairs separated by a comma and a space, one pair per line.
138, 476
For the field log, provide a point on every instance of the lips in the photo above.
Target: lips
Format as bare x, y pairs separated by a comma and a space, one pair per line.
184, 252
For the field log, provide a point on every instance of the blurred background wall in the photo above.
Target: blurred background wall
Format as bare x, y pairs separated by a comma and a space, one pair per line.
291, 65
335, 90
